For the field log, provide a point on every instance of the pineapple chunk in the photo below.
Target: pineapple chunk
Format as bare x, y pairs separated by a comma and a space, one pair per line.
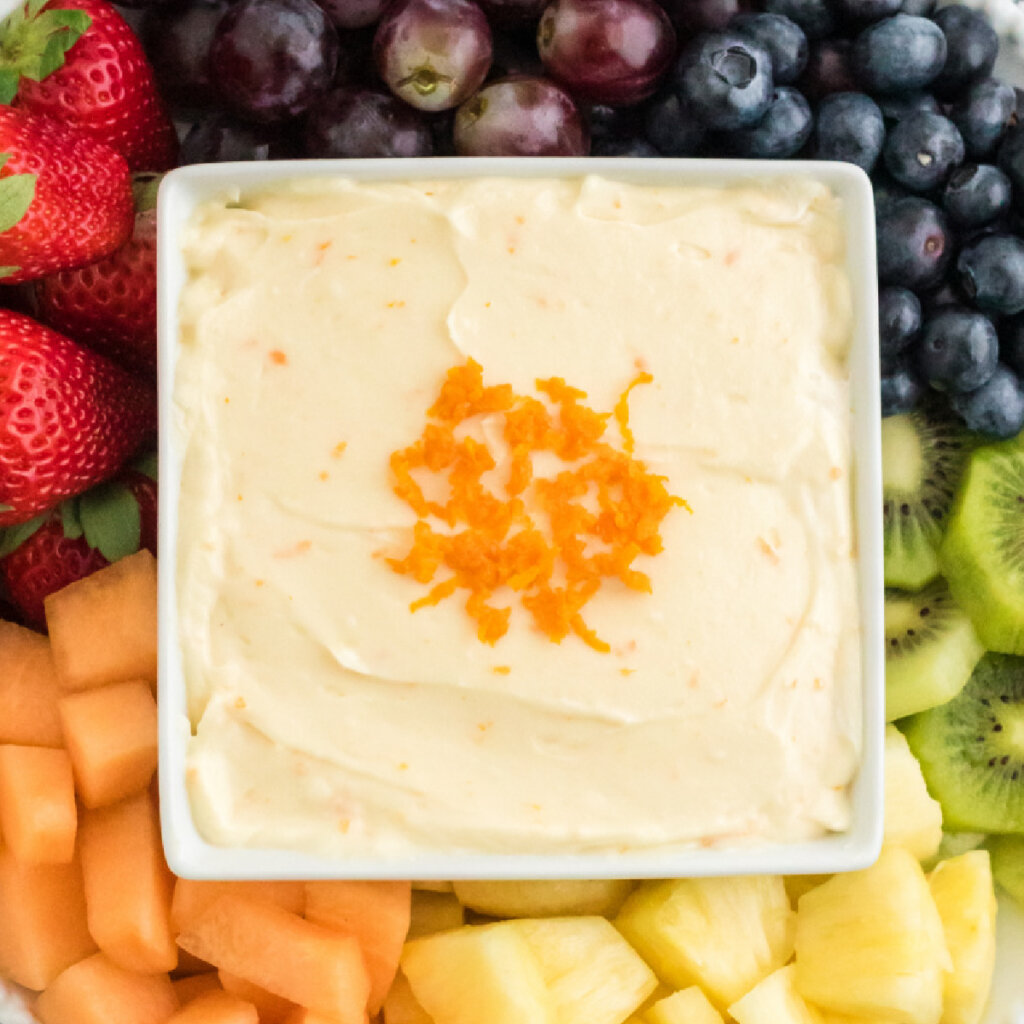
912, 818
774, 1001
544, 898
688, 1006
401, 1006
723, 934
871, 943
953, 845
427, 885
473, 974
965, 895
594, 975
797, 885
434, 912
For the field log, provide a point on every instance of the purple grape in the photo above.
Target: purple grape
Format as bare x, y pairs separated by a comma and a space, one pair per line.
521, 116
347, 14
355, 122
219, 139
434, 54
691, 16
611, 51
273, 58
513, 14
178, 46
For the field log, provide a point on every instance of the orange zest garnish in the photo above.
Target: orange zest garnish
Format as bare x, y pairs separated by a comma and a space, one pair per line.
551, 540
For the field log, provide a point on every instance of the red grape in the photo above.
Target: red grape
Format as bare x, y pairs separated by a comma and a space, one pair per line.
612, 51
434, 54
354, 122
521, 116
178, 46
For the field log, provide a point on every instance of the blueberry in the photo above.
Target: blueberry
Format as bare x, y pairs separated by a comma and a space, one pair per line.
673, 128
899, 320
983, 114
922, 150
913, 243
898, 106
1011, 343
920, 8
1010, 156
991, 273
901, 390
606, 121
782, 131
886, 192
958, 350
899, 53
726, 78
976, 195
849, 128
829, 69
997, 407
815, 17
782, 37
936, 299
868, 10
971, 48
618, 145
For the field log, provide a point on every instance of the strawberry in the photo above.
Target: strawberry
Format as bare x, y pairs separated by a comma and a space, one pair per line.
69, 418
65, 199
84, 534
111, 305
97, 80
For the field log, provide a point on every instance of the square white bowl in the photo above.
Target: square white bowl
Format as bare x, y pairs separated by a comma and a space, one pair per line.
190, 856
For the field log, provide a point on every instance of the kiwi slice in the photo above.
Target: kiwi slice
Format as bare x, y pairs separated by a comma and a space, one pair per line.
954, 844
1007, 854
923, 455
971, 749
930, 649
982, 554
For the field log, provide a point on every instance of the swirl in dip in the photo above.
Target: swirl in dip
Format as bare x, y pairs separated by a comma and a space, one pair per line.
318, 326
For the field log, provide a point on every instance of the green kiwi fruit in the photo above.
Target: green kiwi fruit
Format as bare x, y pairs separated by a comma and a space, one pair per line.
930, 649
982, 554
1007, 854
954, 844
971, 749
923, 455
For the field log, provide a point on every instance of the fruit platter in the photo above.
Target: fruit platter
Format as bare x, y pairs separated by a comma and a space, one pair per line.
99, 102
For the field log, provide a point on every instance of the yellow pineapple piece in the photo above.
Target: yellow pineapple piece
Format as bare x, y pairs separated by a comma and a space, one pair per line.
871, 944
964, 892
912, 818
401, 1006
797, 885
476, 974
426, 885
434, 912
774, 1000
688, 1006
594, 975
723, 934
543, 898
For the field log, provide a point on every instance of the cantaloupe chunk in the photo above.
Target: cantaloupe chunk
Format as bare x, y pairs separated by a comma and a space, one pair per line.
96, 991
103, 627
110, 734
186, 989
28, 689
128, 886
216, 1008
38, 818
302, 1015
191, 897
279, 951
376, 913
271, 1009
187, 963
43, 926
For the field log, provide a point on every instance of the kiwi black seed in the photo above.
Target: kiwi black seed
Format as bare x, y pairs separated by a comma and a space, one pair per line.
982, 553
931, 649
971, 749
923, 456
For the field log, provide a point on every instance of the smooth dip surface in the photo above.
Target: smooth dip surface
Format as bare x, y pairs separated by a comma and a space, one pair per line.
318, 324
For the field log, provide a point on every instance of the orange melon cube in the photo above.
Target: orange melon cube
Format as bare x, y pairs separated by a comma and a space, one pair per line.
191, 897
216, 1008
279, 951
186, 989
187, 963
103, 627
38, 818
302, 1015
376, 913
270, 1008
43, 926
97, 991
110, 734
128, 885
28, 689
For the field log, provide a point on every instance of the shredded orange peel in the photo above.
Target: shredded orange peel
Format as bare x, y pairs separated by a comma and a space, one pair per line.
552, 540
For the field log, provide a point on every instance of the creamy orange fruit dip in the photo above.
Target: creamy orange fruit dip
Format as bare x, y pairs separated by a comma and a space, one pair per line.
598, 595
